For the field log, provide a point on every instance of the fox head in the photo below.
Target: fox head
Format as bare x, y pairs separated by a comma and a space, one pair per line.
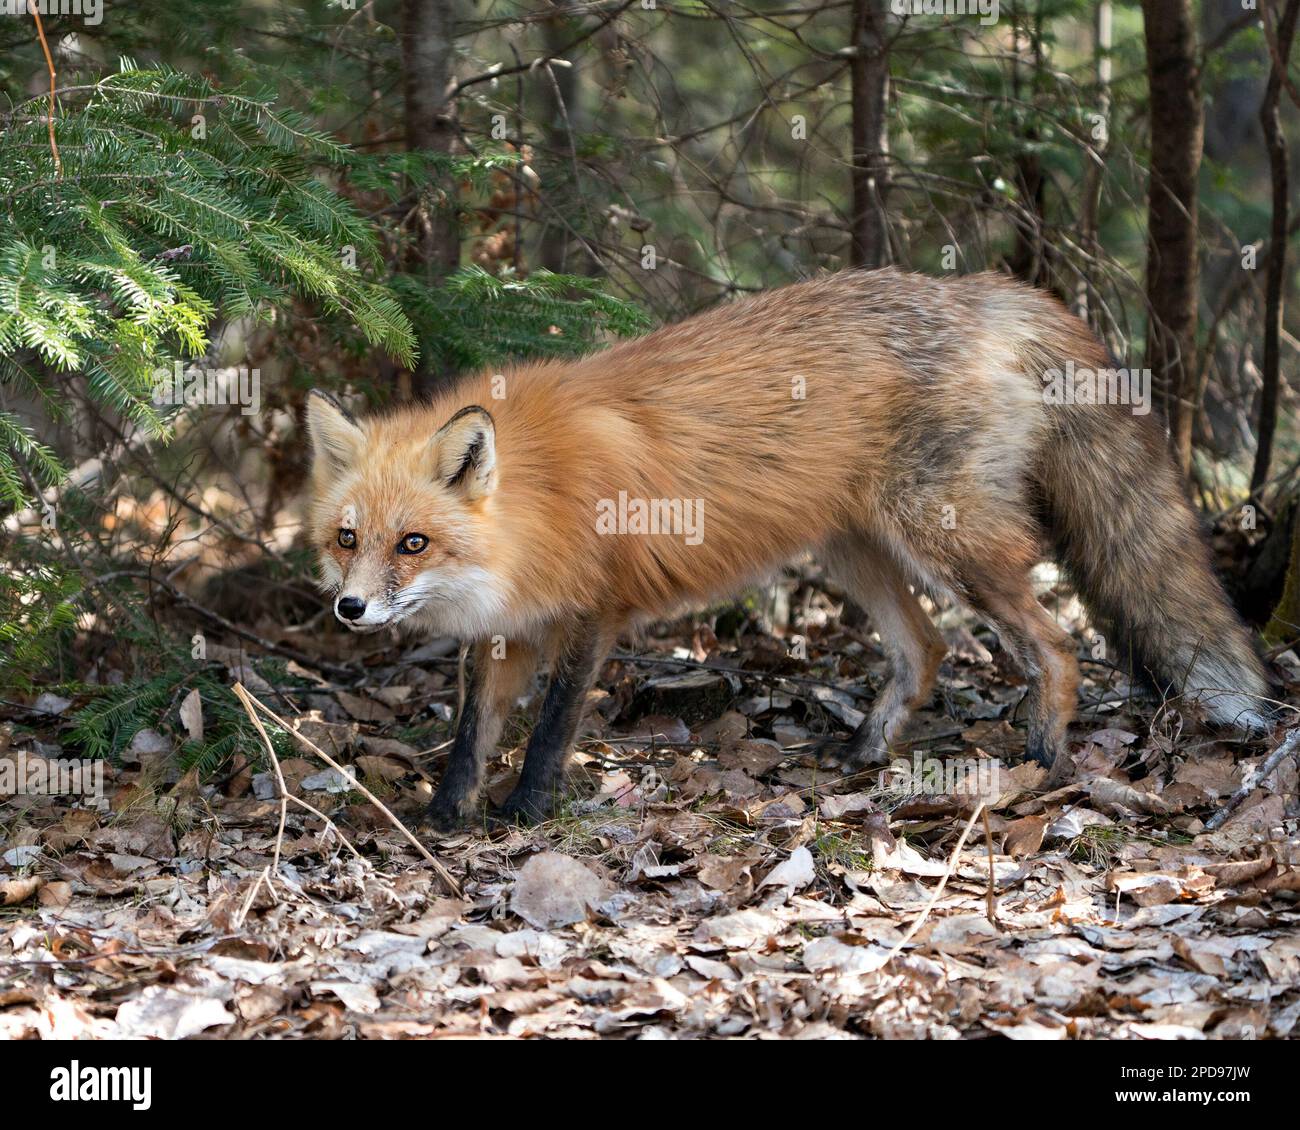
398, 518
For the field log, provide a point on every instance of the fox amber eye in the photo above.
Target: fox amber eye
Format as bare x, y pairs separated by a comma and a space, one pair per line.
412, 543
348, 539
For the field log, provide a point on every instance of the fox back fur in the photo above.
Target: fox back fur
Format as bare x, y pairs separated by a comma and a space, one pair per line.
893, 423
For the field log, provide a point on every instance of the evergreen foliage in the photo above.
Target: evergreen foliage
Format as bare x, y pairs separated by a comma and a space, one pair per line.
175, 201
476, 319
106, 726
176, 205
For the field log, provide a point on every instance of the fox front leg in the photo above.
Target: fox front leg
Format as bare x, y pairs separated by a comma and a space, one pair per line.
541, 783
499, 672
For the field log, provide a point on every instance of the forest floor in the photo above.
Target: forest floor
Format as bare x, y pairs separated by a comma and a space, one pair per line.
705, 878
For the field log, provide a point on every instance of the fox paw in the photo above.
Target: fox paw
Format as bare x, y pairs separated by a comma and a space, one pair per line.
444, 815
1055, 759
528, 806
829, 753
848, 756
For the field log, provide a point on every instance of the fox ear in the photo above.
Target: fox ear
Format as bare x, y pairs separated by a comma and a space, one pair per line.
335, 436
465, 453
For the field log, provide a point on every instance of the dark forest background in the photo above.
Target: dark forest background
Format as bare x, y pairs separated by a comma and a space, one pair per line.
371, 197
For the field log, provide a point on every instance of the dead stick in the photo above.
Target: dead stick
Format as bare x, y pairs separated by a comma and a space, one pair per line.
1289, 746
988, 842
216, 618
243, 697
441, 871
263, 876
943, 882
329, 825
286, 795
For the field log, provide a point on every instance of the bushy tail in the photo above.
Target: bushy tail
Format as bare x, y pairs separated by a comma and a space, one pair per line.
1132, 546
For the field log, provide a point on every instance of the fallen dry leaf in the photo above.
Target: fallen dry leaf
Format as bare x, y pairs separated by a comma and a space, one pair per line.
794, 873
14, 891
1025, 836
555, 890
170, 1014
192, 715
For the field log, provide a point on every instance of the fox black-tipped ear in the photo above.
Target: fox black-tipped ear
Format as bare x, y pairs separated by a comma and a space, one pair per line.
335, 435
465, 453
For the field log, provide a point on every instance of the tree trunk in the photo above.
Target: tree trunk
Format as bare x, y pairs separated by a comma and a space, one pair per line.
869, 229
1284, 626
1275, 140
1029, 257
1173, 74
558, 92
1089, 239
427, 52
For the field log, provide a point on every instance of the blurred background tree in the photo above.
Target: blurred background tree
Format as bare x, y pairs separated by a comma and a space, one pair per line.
389, 192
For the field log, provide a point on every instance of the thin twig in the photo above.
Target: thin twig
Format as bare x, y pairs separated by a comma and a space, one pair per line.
264, 876
229, 625
243, 697
1274, 50
285, 795
503, 72
441, 871
760, 676
1288, 747
992, 897
329, 824
943, 882
49, 62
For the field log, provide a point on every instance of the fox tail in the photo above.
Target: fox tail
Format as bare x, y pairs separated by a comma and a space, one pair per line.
1130, 542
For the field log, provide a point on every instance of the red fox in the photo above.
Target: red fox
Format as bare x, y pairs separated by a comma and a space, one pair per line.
903, 427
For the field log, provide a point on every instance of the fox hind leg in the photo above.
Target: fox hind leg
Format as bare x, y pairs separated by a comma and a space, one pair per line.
912, 643
1042, 649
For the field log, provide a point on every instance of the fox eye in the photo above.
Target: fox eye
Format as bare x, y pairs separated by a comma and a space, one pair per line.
412, 543
348, 539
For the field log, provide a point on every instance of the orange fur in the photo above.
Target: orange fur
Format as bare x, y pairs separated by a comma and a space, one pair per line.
897, 420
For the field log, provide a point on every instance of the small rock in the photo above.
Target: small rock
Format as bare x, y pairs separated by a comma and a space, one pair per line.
327, 781
48, 703
22, 856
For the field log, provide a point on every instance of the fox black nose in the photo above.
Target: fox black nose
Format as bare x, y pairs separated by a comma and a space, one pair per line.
351, 607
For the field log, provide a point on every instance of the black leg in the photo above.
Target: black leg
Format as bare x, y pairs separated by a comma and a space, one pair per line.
542, 781
460, 780
498, 673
